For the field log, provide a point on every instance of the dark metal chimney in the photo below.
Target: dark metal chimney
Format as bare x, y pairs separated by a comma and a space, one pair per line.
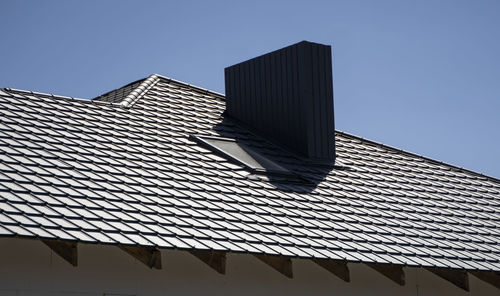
287, 96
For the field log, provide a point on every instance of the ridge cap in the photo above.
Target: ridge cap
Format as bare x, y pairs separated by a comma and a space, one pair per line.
138, 92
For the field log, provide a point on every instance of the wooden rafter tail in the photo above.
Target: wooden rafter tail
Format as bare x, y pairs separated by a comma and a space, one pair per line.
457, 277
281, 264
150, 256
215, 259
66, 250
338, 268
391, 271
492, 278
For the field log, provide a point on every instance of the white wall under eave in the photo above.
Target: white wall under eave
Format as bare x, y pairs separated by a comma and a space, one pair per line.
28, 267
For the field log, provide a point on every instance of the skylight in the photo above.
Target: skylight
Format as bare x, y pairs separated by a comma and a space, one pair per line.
242, 154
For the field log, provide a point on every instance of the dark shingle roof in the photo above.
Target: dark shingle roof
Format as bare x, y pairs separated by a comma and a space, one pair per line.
122, 169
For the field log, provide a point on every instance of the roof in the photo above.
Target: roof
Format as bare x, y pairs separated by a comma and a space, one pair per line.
124, 169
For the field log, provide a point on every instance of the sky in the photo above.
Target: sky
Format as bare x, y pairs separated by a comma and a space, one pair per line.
422, 76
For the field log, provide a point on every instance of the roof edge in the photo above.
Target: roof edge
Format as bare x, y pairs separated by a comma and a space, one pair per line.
352, 259
198, 88
431, 160
54, 96
132, 98
97, 99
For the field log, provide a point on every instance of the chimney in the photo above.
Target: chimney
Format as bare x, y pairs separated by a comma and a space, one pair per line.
287, 96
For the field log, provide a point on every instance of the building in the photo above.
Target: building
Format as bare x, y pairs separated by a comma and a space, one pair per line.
161, 187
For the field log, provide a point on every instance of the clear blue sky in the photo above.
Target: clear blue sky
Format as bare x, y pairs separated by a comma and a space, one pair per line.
423, 76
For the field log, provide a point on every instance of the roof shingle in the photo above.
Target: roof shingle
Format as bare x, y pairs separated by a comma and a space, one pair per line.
122, 169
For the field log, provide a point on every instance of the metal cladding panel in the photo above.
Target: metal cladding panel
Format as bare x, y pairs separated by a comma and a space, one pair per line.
287, 96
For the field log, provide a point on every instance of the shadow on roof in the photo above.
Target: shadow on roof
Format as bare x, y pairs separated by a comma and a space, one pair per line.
261, 157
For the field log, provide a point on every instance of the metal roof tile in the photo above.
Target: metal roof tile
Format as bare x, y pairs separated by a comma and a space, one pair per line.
71, 165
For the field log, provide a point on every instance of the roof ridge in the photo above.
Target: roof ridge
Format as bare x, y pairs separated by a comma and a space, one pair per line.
139, 91
134, 95
127, 102
24, 91
147, 83
56, 97
434, 161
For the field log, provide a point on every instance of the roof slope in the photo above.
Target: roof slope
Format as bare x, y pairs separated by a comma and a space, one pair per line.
94, 171
117, 95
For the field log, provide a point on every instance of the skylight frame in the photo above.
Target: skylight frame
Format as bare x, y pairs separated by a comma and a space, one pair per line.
204, 141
